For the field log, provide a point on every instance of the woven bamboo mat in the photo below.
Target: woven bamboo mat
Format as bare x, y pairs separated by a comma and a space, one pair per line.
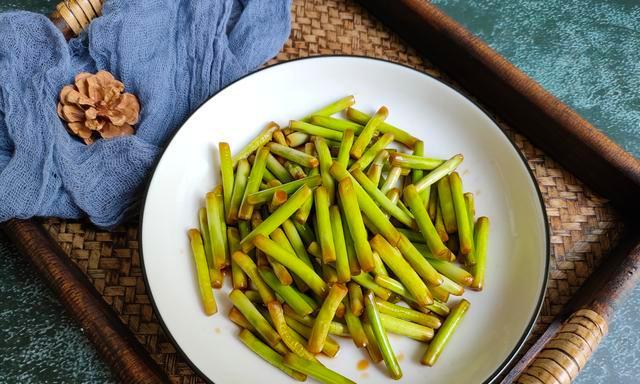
583, 226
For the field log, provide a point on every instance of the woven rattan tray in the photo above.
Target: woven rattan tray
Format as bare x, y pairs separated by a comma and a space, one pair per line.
585, 227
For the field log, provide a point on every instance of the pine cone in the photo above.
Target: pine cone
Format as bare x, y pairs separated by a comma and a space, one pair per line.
96, 106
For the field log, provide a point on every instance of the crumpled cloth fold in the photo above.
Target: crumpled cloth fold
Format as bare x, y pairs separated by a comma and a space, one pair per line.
172, 54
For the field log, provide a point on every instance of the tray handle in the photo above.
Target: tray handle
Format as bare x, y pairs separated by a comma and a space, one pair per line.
568, 351
564, 349
74, 16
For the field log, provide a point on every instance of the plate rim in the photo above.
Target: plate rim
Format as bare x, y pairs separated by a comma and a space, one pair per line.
147, 185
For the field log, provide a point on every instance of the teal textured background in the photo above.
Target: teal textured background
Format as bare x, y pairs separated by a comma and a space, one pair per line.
39, 342
41, 6
585, 52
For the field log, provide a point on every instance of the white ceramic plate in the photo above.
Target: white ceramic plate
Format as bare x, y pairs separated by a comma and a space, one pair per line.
500, 317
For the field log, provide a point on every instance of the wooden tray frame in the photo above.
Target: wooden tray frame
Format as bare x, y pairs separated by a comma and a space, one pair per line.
498, 86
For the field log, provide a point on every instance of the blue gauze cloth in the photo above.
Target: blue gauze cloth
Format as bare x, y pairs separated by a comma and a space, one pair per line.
171, 54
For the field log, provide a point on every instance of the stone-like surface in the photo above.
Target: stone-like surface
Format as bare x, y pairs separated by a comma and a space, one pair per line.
42, 6
584, 51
